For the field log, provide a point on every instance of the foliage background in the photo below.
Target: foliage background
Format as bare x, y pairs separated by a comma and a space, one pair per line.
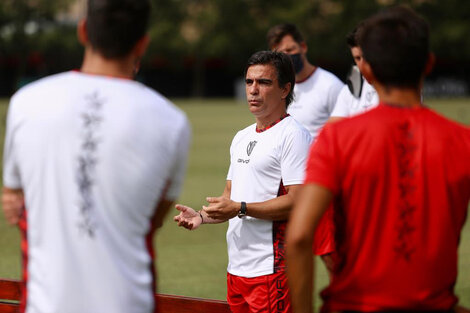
199, 47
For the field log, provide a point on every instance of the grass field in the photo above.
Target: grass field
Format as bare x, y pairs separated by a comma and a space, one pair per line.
194, 263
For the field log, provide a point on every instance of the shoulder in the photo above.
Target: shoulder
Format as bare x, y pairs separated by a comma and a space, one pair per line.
152, 102
345, 94
291, 129
49, 84
164, 104
442, 121
28, 99
363, 122
367, 87
343, 103
328, 78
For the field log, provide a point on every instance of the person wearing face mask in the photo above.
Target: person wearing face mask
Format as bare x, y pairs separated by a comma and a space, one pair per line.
358, 95
315, 89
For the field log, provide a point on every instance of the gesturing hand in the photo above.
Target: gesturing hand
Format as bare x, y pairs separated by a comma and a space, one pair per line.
221, 208
188, 218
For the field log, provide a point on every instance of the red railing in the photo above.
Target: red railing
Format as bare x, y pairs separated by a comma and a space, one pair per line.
10, 296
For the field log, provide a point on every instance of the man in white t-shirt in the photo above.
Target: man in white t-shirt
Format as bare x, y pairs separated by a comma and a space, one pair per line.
358, 95
92, 162
316, 89
267, 163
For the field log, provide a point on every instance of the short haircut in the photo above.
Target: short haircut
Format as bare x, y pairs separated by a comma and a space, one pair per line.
351, 38
283, 65
276, 33
395, 42
115, 26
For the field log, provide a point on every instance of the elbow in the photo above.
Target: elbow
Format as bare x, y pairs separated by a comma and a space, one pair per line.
298, 241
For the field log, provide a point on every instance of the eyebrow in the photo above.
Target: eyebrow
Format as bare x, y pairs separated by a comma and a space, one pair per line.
259, 80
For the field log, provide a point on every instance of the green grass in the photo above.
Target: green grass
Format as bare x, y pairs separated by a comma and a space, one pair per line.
193, 263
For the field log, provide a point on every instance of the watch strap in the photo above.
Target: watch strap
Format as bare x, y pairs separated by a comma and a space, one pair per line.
242, 211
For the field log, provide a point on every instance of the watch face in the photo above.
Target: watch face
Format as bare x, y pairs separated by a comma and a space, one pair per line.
240, 214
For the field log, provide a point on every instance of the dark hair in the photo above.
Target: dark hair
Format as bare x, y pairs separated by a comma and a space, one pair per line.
395, 42
283, 65
276, 33
115, 26
351, 38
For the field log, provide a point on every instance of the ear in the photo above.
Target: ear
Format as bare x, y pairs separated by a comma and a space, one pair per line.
141, 46
430, 64
303, 47
82, 32
285, 90
366, 71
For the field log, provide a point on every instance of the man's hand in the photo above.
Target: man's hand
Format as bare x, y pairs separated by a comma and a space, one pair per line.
188, 218
221, 208
13, 204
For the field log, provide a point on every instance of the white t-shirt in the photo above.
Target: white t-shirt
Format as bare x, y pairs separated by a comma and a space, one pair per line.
315, 99
259, 162
93, 155
348, 105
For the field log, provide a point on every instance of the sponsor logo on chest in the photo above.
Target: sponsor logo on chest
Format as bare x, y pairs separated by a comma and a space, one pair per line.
249, 149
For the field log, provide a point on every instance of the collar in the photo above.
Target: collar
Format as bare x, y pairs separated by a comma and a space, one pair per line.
260, 130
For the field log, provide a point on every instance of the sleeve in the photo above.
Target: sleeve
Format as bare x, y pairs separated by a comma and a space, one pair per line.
323, 161
11, 173
342, 106
335, 89
294, 156
230, 173
180, 161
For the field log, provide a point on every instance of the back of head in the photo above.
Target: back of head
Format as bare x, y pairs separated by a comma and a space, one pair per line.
115, 26
283, 65
395, 42
276, 33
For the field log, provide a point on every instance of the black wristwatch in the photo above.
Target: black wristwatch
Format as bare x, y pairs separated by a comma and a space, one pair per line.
242, 211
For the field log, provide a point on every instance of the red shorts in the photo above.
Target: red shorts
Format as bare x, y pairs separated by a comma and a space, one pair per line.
262, 294
324, 239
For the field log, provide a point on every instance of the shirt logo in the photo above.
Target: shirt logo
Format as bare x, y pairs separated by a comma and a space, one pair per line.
250, 147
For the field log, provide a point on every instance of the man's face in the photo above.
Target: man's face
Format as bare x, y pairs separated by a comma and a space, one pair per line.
356, 53
288, 45
264, 96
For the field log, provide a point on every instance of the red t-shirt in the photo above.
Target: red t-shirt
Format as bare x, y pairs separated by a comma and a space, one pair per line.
401, 181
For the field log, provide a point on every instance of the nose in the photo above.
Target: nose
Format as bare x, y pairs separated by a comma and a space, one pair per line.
253, 88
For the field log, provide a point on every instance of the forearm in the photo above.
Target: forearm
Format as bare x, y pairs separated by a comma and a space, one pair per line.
276, 209
300, 271
311, 202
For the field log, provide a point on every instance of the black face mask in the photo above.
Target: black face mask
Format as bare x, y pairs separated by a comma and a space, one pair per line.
297, 61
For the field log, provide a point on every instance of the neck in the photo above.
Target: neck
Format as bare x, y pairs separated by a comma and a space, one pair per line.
94, 63
404, 97
265, 122
305, 72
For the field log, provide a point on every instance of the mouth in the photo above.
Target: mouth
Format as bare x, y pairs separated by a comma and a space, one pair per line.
254, 102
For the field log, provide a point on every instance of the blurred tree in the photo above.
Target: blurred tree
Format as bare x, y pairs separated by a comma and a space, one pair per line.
198, 38
22, 23
192, 31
